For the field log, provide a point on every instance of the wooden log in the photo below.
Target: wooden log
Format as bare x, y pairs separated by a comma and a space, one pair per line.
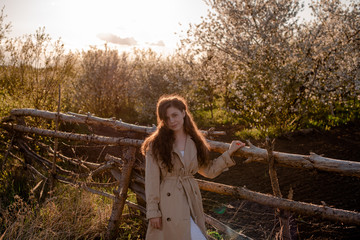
138, 165
43, 162
89, 119
87, 166
253, 153
139, 190
313, 161
121, 194
111, 196
74, 161
102, 168
104, 194
334, 214
107, 166
85, 184
28, 166
47, 165
232, 234
82, 119
136, 206
75, 137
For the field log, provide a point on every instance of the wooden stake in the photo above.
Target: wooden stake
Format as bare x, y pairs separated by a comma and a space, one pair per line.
7, 152
121, 194
284, 216
56, 143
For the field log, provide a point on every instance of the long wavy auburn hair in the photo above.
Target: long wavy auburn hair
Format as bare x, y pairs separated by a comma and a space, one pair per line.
162, 140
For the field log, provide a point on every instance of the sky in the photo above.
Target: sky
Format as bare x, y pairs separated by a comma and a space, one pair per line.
122, 23
126, 23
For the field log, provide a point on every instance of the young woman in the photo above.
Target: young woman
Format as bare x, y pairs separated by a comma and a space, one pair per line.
174, 153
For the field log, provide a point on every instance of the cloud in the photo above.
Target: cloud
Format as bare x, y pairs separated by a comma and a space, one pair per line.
111, 38
159, 43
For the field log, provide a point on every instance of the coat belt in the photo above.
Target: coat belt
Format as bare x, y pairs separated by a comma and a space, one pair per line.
179, 180
187, 187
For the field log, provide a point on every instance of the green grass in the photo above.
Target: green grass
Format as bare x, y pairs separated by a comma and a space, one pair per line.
214, 234
257, 134
70, 213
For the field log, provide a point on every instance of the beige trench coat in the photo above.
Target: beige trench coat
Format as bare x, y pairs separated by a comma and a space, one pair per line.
176, 196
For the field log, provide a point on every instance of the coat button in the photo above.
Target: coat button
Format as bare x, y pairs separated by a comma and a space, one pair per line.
168, 219
168, 194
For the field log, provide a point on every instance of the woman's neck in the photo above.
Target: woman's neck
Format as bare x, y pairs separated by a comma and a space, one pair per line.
180, 139
180, 134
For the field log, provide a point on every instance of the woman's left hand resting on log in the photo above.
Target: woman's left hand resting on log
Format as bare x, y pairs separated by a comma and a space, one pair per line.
235, 145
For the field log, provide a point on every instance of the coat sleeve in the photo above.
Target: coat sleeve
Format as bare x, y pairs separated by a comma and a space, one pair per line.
152, 186
217, 166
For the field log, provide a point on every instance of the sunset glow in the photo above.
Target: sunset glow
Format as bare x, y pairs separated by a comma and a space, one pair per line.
126, 24
120, 23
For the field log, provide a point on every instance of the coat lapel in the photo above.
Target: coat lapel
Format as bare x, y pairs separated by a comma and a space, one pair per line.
177, 152
190, 151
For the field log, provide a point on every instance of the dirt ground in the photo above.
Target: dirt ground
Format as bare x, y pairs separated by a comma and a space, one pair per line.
335, 190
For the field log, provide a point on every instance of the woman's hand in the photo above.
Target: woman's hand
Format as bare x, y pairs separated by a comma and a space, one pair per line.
156, 223
235, 145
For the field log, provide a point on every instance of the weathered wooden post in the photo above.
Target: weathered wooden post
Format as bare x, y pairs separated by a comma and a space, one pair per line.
121, 193
56, 143
284, 216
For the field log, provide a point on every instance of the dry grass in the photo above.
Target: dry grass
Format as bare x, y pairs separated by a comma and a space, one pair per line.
70, 214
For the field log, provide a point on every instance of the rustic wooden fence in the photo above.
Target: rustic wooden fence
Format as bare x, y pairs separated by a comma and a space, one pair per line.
127, 168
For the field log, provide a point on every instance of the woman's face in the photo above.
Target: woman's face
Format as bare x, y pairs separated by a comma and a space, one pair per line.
175, 118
